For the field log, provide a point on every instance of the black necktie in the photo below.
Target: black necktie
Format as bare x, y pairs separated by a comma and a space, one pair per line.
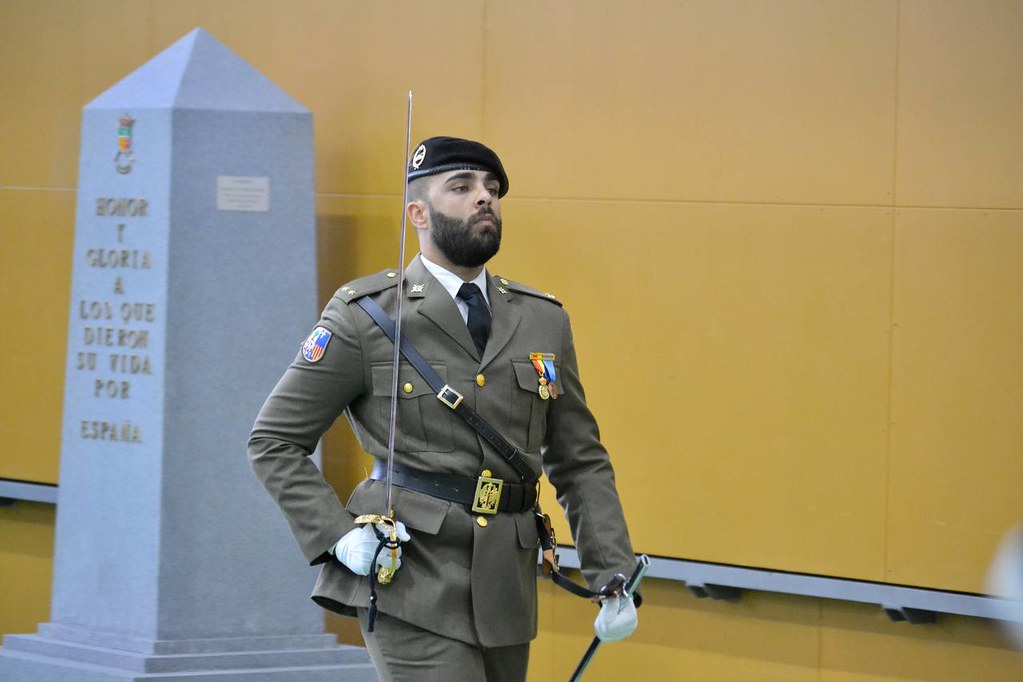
479, 315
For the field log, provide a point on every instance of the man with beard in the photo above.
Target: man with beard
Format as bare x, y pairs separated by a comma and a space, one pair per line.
462, 604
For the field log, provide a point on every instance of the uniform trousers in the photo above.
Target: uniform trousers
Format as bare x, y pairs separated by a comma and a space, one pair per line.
402, 652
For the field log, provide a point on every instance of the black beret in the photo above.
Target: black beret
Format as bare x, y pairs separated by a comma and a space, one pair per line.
442, 154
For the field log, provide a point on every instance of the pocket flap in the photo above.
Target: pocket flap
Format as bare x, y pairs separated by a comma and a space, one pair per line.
411, 383
525, 524
526, 375
416, 510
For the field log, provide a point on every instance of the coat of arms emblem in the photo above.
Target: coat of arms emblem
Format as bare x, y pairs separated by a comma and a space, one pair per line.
124, 158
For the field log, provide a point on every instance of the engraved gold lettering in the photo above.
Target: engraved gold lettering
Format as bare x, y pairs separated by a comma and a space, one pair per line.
137, 312
115, 336
95, 310
136, 208
109, 388
123, 432
98, 336
126, 363
131, 338
132, 259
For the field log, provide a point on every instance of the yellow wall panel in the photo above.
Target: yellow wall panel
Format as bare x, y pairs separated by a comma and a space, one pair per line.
722, 101
680, 637
37, 53
860, 644
352, 63
960, 142
737, 360
767, 637
737, 355
26, 565
55, 57
356, 236
957, 381
35, 276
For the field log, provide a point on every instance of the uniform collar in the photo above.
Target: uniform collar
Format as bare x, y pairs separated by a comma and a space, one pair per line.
452, 282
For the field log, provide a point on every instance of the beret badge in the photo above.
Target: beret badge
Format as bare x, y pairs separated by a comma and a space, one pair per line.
419, 157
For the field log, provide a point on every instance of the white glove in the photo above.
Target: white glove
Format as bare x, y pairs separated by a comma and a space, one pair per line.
357, 547
616, 620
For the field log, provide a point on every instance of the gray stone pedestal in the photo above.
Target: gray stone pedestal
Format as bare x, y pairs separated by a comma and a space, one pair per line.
194, 264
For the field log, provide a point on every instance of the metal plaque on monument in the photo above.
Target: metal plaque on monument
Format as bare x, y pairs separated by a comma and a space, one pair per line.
194, 266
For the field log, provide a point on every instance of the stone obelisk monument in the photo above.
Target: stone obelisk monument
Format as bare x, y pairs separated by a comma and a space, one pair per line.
194, 280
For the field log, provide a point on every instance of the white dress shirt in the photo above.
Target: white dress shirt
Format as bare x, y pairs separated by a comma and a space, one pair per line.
452, 283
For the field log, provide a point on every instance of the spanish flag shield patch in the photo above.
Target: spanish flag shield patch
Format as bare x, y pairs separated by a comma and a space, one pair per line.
316, 345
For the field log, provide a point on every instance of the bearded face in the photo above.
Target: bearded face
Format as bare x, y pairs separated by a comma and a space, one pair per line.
467, 243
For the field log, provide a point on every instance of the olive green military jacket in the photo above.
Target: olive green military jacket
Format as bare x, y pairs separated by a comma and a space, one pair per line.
458, 578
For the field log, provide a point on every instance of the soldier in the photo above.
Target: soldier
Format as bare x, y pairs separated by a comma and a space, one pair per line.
462, 605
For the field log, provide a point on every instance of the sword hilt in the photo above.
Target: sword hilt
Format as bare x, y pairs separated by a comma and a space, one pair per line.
389, 539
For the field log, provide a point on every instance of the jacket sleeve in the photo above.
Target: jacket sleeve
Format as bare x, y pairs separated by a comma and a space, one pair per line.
578, 466
300, 409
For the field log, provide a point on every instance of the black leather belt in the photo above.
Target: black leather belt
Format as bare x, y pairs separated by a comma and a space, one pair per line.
499, 496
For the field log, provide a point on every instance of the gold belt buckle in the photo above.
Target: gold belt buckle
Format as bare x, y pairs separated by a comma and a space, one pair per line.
487, 496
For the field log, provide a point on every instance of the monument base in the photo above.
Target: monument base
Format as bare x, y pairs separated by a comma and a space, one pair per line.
60, 654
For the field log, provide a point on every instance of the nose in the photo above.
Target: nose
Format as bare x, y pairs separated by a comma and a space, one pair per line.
483, 196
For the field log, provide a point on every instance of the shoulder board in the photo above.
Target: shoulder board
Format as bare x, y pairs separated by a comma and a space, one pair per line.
370, 284
523, 289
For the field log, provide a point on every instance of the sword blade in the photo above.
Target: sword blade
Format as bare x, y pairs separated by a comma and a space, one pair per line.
393, 430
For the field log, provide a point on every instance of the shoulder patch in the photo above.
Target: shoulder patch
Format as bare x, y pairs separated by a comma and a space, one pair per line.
502, 282
316, 345
370, 284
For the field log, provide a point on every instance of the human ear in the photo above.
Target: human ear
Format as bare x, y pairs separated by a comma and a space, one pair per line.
416, 212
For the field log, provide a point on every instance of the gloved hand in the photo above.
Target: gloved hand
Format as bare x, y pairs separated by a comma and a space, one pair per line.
356, 548
616, 620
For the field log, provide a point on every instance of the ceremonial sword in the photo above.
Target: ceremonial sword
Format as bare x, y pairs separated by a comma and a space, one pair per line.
384, 574
626, 592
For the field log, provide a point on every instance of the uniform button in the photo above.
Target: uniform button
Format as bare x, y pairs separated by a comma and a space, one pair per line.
486, 473
407, 388
504, 281
481, 521
480, 380
392, 274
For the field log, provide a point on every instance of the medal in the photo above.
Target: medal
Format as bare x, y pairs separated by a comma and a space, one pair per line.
543, 363
544, 392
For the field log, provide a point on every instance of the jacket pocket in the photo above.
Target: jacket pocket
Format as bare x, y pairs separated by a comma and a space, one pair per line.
424, 424
525, 525
416, 510
528, 409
